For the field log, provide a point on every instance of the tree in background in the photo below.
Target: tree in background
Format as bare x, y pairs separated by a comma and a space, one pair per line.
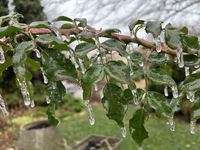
31, 10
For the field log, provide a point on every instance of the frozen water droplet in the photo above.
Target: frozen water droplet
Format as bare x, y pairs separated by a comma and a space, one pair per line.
81, 62
167, 122
123, 131
73, 59
44, 77
187, 71
130, 65
27, 103
48, 99
95, 87
32, 103
140, 148
158, 44
25, 93
180, 58
196, 66
166, 91
37, 53
141, 64
174, 91
3, 107
192, 127
191, 96
172, 124
90, 111
2, 57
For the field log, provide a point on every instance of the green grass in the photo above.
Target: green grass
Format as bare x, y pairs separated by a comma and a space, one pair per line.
160, 137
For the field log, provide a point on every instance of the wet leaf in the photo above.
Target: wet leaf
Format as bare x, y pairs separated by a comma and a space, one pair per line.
137, 72
176, 104
191, 60
158, 59
83, 48
136, 126
191, 41
33, 63
154, 27
136, 57
52, 119
114, 102
129, 96
192, 82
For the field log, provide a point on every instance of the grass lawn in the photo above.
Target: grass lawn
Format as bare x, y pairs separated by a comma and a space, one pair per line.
160, 137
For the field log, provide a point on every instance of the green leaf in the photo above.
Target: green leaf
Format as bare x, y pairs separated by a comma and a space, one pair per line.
57, 67
83, 21
33, 63
107, 31
83, 48
173, 37
63, 18
86, 35
114, 102
53, 121
168, 69
158, 59
136, 57
29, 85
86, 62
129, 96
93, 75
154, 27
67, 26
133, 23
136, 126
56, 91
4, 18
40, 24
117, 83
90, 40
176, 104
119, 72
192, 82
158, 102
114, 45
184, 30
137, 72
159, 77
19, 58
5, 65
191, 41
195, 110
191, 60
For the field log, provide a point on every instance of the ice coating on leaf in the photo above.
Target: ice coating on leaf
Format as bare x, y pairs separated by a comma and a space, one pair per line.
25, 93
141, 64
81, 62
95, 87
174, 91
172, 123
73, 59
3, 107
192, 126
32, 103
196, 66
37, 53
130, 65
90, 111
2, 57
158, 44
48, 99
191, 96
123, 131
187, 71
44, 77
166, 91
135, 96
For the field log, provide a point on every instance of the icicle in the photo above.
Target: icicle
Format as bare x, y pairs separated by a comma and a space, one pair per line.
81, 62
166, 91
37, 53
187, 71
90, 111
48, 99
172, 123
174, 91
191, 96
25, 93
192, 126
187, 95
123, 131
95, 87
143, 96
130, 65
180, 58
44, 77
141, 64
73, 59
3, 107
140, 148
158, 44
196, 66
2, 57
32, 103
